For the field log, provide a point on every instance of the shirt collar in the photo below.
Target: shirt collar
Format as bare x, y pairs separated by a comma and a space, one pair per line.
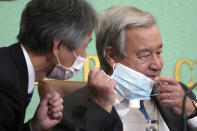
31, 72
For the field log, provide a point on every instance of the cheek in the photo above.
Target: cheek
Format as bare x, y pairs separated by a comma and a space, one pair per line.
81, 52
68, 60
139, 66
142, 68
161, 62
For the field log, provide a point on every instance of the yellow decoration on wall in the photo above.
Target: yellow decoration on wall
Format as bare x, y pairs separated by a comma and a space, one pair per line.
87, 67
178, 70
36, 83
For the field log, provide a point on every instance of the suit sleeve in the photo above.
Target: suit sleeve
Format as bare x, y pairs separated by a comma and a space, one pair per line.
191, 122
26, 127
7, 114
80, 113
97, 119
11, 109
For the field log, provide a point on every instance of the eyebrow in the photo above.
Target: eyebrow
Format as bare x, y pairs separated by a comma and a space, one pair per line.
140, 52
148, 50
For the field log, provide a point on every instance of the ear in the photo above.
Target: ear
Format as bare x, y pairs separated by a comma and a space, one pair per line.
56, 47
110, 56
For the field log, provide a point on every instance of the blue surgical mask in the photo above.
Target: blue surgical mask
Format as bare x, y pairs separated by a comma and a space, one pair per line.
131, 84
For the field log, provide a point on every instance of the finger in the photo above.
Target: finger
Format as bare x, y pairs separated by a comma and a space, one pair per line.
107, 79
104, 73
45, 101
94, 76
172, 96
55, 109
177, 110
111, 83
164, 96
108, 84
92, 73
167, 79
164, 88
56, 103
101, 75
55, 98
57, 116
169, 102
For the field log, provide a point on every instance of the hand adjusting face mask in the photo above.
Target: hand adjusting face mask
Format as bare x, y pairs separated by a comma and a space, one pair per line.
131, 84
61, 72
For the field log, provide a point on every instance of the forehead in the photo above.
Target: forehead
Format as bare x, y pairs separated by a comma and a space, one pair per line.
143, 38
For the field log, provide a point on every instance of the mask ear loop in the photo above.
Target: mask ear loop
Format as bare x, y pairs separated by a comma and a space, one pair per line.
58, 54
74, 54
114, 66
58, 60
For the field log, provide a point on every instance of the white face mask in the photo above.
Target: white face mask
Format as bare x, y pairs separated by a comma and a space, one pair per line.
61, 72
132, 84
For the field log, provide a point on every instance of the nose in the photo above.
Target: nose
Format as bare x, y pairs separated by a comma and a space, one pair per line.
156, 63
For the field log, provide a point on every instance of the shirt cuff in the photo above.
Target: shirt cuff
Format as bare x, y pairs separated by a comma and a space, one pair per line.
192, 123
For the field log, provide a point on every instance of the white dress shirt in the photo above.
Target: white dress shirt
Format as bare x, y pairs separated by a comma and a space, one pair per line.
31, 72
151, 110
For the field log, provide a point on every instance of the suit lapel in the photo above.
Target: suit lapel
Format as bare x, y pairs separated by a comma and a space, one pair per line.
172, 120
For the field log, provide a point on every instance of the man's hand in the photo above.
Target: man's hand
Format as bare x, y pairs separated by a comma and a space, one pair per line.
101, 88
48, 113
171, 95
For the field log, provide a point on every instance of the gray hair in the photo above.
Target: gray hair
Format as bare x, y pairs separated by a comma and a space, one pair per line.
112, 26
44, 21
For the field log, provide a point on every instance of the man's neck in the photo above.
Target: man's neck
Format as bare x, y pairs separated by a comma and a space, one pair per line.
42, 64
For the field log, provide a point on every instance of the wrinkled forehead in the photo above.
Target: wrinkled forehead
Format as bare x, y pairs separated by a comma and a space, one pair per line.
143, 38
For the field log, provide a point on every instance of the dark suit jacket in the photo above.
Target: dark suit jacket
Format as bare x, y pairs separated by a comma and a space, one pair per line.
81, 114
173, 121
13, 88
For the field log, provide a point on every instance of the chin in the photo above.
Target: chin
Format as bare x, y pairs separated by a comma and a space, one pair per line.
40, 78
